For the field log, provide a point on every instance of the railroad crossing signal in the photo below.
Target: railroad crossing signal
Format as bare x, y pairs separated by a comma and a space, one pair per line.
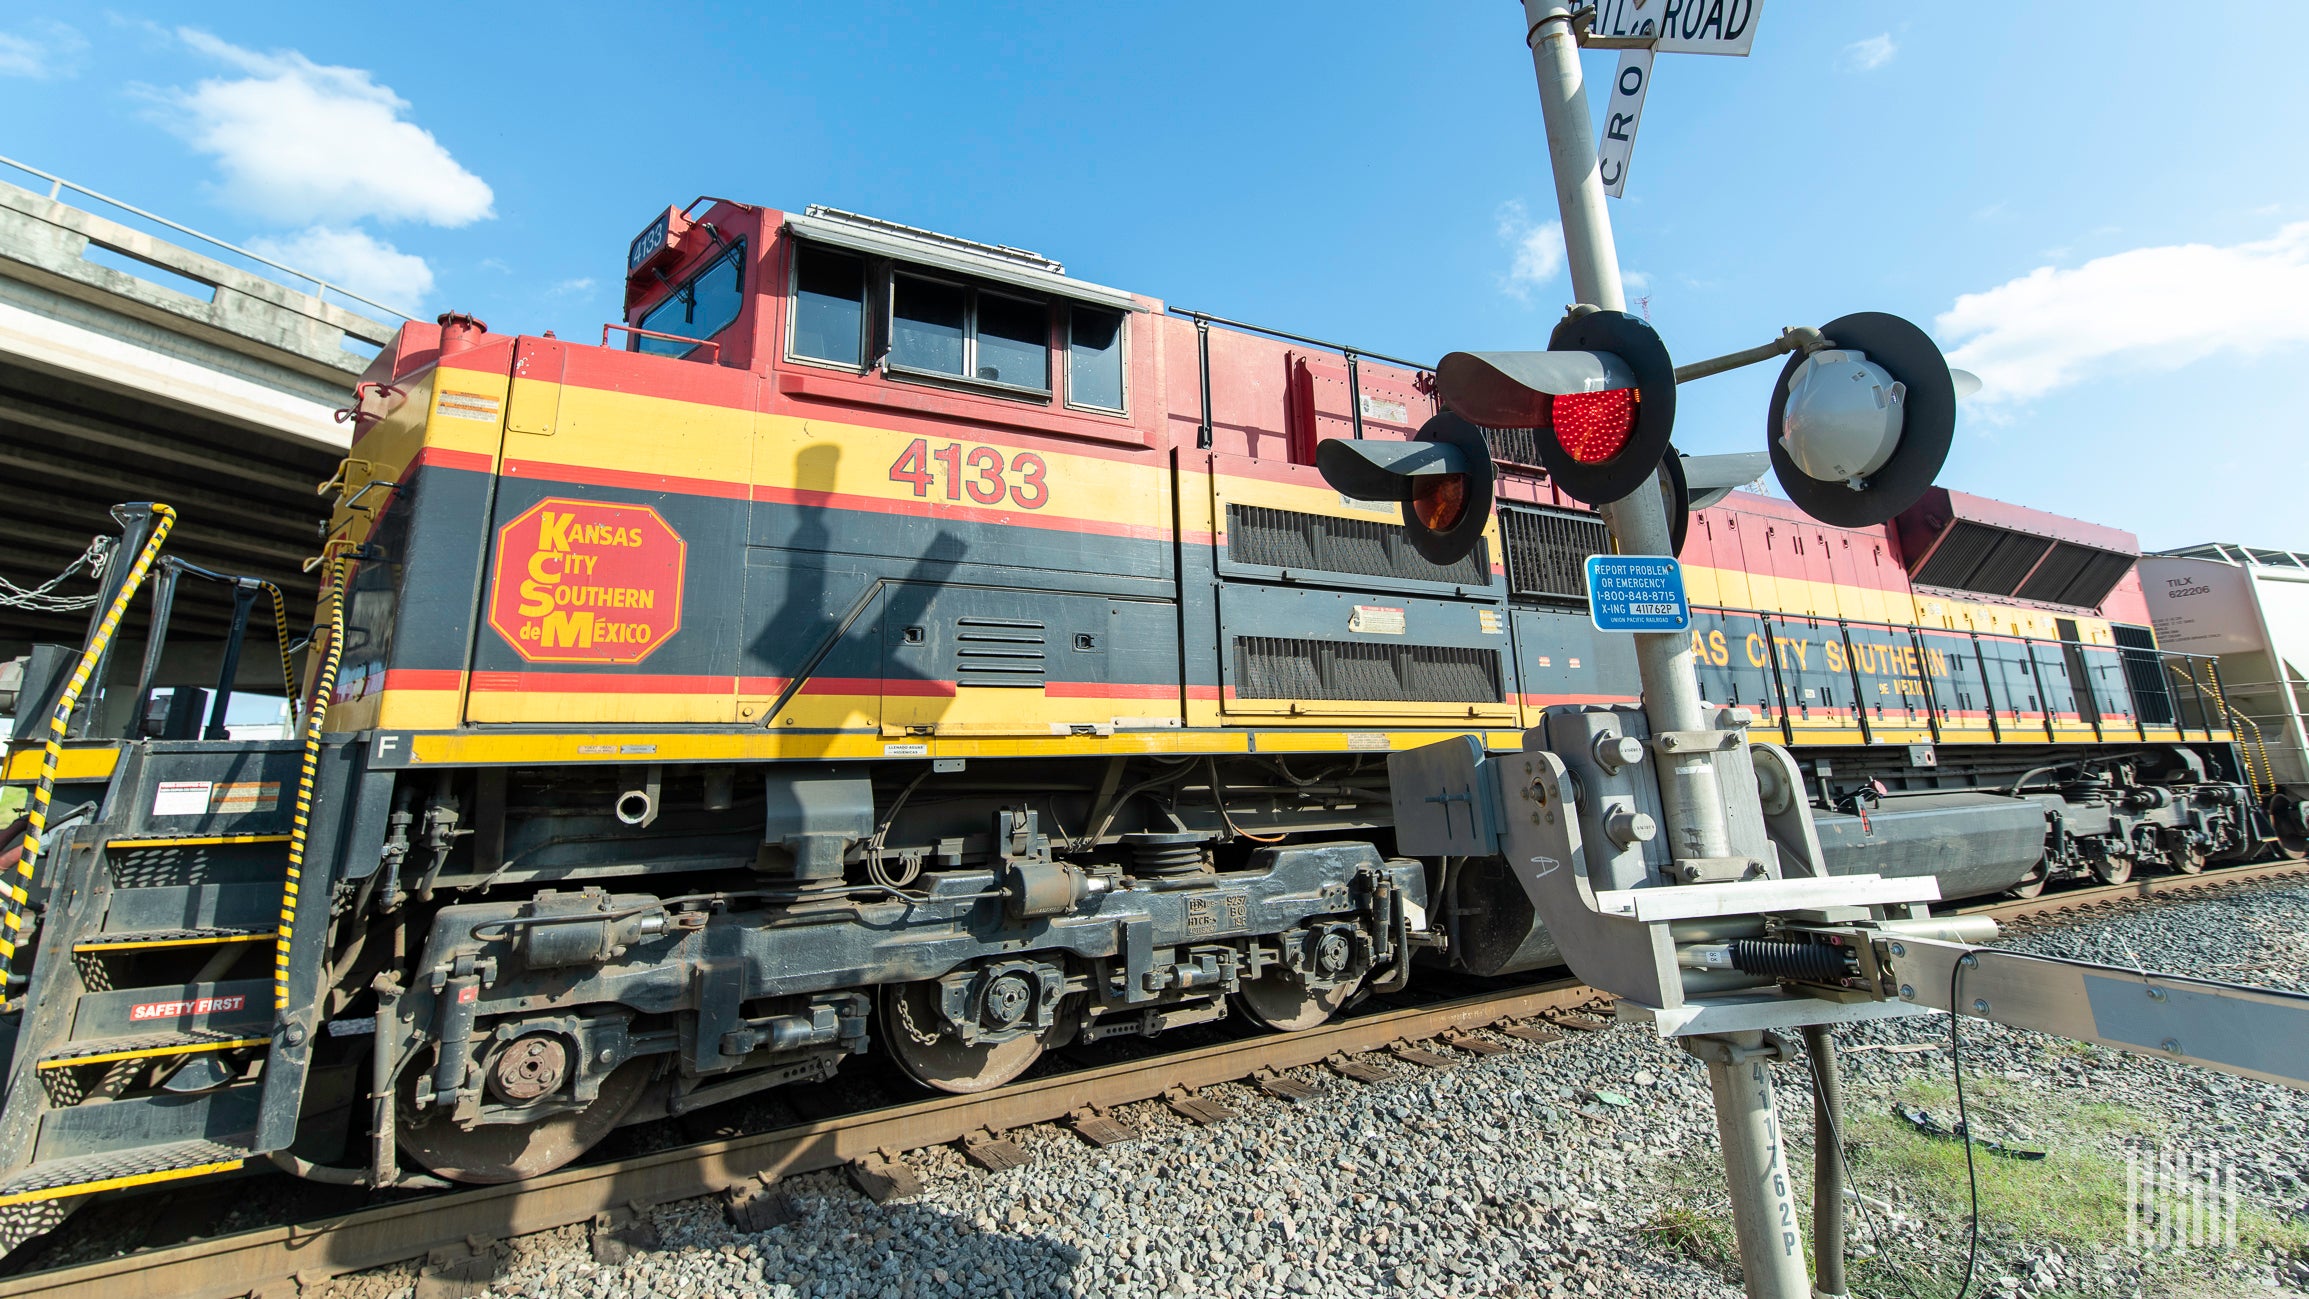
1861, 422
1443, 478
1601, 401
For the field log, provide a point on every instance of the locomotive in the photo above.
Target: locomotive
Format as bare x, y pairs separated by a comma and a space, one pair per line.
884, 640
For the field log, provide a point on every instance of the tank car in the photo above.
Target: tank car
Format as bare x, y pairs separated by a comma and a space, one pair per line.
883, 640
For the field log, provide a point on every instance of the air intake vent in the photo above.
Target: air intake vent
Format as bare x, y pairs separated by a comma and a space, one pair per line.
1964, 543
1274, 667
1994, 561
1257, 534
2075, 575
998, 652
1547, 551
1514, 446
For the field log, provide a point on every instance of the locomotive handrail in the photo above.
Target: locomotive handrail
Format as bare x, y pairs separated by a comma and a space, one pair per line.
1341, 348
16, 894
1203, 322
671, 338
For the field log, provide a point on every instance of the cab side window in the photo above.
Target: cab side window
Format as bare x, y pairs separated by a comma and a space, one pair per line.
1094, 358
869, 313
829, 306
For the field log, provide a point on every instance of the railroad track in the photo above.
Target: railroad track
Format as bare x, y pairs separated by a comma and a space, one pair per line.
460, 1232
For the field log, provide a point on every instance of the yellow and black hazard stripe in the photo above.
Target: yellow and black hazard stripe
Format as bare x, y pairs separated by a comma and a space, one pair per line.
16, 894
316, 717
281, 634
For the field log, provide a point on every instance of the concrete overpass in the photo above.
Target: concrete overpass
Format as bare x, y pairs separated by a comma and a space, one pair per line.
134, 367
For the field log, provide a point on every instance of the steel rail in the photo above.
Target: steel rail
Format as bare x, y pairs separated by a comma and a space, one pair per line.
239, 1264
2135, 891
248, 1262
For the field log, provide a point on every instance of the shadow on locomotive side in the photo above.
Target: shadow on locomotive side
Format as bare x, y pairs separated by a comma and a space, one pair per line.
900, 644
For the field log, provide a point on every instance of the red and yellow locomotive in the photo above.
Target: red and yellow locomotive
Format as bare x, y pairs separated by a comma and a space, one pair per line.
890, 641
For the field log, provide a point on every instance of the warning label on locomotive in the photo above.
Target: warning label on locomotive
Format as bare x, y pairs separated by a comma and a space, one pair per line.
587, 582
150, 1010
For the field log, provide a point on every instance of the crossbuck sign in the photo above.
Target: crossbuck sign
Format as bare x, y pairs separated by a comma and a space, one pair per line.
1643, 28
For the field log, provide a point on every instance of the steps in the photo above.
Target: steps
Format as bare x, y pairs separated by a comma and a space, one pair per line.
149, 1047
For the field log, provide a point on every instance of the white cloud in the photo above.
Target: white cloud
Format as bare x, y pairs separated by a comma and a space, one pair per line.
356, 260
306, 142
1868, 55
582, 284
2146, 309
1538, 250
44, 50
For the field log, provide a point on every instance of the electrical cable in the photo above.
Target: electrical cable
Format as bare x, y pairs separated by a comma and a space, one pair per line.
1836, 1136
1963, 1124
1219, 799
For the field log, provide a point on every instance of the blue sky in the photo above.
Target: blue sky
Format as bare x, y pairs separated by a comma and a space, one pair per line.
2103, 211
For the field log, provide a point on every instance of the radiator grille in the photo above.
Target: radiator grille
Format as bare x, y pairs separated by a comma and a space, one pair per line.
1995, 561
1514, 446
1276, 667
1547, 551
998, 652
1259, 534
2076, 575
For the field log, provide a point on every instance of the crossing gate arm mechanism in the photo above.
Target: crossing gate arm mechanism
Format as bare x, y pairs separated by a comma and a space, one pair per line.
2251, 1032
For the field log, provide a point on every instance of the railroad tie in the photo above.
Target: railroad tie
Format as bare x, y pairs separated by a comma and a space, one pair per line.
1420, 1056
1209, 1113
1100, 1128
758, 1204
883, 1176
616, 1235
1283, 1087
1356, 1070
995, 1154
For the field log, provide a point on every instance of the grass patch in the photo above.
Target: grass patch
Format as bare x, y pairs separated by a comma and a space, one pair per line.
1704, 1238
2075, 1198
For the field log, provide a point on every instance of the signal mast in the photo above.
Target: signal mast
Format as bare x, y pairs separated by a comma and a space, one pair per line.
1740, 932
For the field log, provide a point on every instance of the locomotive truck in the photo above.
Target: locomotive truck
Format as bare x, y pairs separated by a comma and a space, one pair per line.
883, 640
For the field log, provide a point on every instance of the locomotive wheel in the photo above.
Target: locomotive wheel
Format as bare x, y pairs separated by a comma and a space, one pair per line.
928, 1052
2113, 869
2292, 848
513, 1152
2033, 886
2189, 859
1283, 1003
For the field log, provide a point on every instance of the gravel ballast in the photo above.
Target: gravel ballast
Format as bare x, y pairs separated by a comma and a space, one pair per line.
1586, 1166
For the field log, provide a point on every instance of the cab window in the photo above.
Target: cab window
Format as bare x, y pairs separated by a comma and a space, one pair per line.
829, 306
957, 331
1094, 358
702, 307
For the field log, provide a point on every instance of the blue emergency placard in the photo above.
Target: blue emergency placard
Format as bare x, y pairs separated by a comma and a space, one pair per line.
1637, 593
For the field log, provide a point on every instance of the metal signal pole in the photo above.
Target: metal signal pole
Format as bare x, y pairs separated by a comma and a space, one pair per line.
1739, 1072
1691, 795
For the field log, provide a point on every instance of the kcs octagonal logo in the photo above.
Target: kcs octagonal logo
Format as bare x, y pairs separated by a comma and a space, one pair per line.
586, 582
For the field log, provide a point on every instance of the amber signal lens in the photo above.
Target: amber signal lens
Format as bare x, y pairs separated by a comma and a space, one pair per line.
1439, 500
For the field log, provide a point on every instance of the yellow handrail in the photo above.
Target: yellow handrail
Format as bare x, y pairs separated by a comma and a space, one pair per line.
16, 894
315, 718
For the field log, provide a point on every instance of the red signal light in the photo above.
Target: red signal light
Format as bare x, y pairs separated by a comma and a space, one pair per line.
1439, 500
1593, 427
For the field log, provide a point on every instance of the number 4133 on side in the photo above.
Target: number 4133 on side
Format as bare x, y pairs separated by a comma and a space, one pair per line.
979, 471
